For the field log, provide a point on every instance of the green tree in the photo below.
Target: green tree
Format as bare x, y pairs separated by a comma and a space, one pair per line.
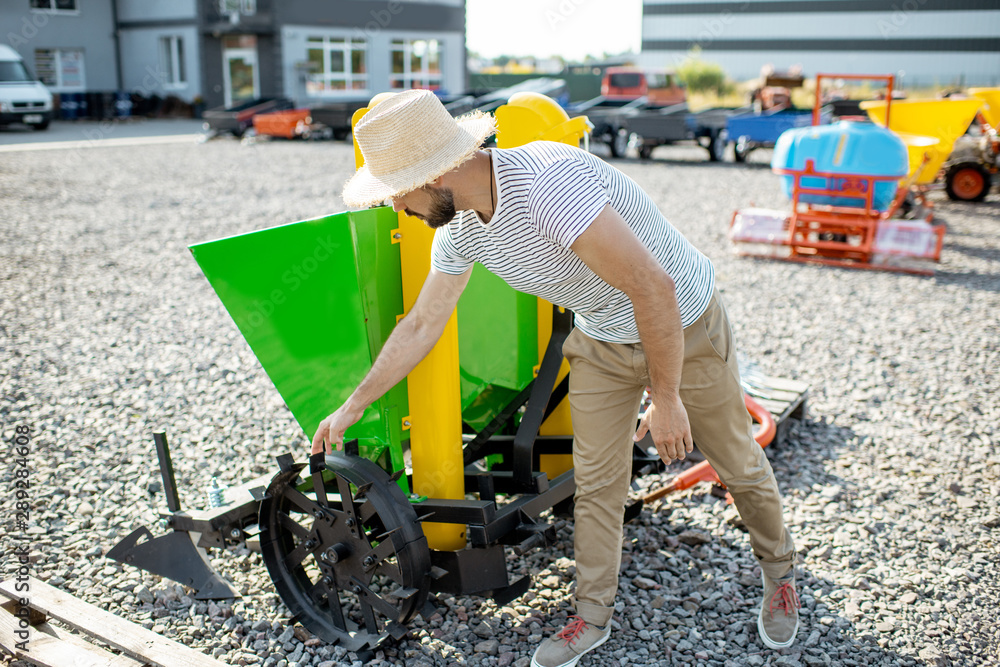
701, 76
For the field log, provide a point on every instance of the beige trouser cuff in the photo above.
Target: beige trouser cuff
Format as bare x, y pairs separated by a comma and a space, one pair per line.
778, 569
594, 614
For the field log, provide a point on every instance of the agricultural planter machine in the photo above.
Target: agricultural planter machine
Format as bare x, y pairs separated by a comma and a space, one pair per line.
467, 459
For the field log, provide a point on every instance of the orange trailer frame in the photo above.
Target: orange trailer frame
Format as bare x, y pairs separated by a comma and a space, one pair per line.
287, 124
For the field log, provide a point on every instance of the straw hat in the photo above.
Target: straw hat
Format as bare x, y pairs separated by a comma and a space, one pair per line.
409, 140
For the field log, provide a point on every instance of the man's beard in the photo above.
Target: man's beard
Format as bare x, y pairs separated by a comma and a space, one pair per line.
442, 208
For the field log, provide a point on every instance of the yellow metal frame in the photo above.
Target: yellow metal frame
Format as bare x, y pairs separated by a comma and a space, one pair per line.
559, 422
435, 397
525, 118
434, 390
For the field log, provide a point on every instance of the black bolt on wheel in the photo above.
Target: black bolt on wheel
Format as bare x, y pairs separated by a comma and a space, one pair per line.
345, 551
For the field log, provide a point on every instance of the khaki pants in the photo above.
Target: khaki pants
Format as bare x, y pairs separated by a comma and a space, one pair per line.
606, 385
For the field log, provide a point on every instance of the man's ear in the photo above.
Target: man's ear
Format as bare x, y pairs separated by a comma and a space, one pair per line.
436, 183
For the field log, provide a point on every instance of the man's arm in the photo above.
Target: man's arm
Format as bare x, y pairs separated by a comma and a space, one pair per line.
612, 251
411, 341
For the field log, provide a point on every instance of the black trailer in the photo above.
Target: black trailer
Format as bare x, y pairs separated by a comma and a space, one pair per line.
337, 115
490, 100
649, 128
607, 117
238, 118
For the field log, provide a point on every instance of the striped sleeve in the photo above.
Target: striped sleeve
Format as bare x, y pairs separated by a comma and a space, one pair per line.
445, 256
564, 199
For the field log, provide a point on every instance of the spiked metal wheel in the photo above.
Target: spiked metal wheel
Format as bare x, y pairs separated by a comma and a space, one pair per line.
347, 556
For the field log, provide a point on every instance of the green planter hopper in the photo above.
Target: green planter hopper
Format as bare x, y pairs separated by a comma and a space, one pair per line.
497, 345
316, 301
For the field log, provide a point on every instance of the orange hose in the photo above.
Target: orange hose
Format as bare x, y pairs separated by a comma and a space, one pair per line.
703, 472
762, 416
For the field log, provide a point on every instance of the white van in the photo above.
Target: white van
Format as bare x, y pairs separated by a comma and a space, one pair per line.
23, 99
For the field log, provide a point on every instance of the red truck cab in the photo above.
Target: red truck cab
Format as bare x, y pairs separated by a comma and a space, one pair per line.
624, 84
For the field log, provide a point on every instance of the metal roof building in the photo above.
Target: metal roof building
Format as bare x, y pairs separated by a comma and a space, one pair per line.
926, 42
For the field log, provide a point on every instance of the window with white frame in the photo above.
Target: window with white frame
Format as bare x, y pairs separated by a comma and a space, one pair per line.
61, 69
232, 7
172, 61
416, 63
54, 5
336, 64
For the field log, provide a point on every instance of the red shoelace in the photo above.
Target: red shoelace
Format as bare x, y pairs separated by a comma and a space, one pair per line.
573, 629
784, 599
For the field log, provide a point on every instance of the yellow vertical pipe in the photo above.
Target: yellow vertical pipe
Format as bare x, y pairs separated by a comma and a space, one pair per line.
359, 159
528, 117
433, 387
435, 396
559, 422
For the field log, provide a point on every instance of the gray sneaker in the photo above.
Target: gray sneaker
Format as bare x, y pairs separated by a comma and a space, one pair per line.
779, 612
566, 647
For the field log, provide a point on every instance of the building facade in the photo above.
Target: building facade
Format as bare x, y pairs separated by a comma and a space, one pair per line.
370, 46
310, 51
924, 42
68, 44
218, 52
160, 47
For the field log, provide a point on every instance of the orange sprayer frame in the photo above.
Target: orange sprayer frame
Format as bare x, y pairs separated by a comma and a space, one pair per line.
889, 79
813, 229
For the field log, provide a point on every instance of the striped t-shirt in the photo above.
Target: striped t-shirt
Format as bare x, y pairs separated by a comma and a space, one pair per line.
547, 195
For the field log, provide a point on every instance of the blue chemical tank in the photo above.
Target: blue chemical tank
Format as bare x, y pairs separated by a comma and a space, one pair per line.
848, 147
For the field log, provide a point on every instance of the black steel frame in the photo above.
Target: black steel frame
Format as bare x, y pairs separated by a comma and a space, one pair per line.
478, 569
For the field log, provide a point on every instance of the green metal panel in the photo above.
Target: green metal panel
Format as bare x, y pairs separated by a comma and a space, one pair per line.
316, 301
497, 345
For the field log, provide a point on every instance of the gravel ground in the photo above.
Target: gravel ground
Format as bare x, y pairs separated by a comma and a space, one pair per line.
108, 331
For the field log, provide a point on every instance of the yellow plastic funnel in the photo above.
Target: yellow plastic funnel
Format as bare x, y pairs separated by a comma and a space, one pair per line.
917, 146
945, 120
990, 110
531, 116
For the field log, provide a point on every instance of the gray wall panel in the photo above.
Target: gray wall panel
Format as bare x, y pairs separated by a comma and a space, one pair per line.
372, 15
91, 28
965, 44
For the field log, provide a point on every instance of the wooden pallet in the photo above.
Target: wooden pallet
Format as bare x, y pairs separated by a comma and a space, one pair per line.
52, 646
782, 397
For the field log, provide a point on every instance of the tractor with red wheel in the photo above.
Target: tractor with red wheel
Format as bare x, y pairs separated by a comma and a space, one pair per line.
969, 169
968, 172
